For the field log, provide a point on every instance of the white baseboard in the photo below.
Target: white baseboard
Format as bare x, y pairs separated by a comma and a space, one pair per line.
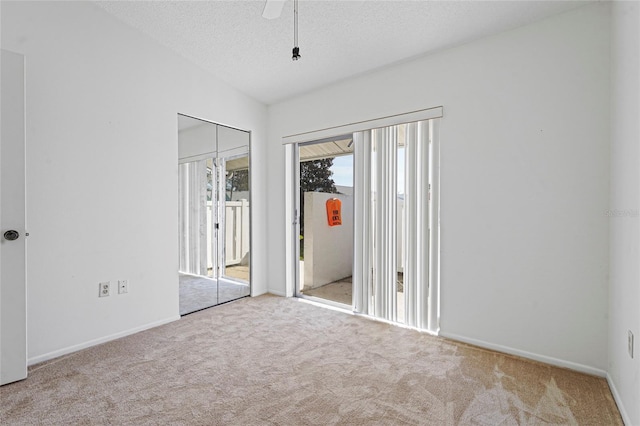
529, 355
255, 292
277, 293
75, 348
616, 397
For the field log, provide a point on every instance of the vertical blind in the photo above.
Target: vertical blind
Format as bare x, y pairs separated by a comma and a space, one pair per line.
383, 210
395, 231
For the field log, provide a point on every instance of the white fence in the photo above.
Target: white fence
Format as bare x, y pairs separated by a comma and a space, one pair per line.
328, 251
236, 232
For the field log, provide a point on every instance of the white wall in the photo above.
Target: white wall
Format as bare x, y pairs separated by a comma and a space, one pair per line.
524, 180
102, 105
624, 293
328, 250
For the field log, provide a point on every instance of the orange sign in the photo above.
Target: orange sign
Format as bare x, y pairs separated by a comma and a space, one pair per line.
334, 212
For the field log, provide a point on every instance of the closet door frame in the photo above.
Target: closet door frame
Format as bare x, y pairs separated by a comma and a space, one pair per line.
219, 154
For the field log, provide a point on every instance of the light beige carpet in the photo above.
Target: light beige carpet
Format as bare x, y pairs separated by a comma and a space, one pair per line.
198, 292
276, 361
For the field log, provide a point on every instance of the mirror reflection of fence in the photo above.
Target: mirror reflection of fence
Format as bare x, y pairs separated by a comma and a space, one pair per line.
236, 213
236, 232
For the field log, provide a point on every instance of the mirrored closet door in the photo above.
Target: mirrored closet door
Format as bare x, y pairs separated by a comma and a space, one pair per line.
214, 214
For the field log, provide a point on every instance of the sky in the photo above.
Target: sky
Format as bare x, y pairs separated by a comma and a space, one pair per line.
343, 170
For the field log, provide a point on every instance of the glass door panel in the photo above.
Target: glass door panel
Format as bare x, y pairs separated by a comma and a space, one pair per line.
326, 220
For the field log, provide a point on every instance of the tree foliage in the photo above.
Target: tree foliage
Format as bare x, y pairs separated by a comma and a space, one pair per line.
315, 176
237, 181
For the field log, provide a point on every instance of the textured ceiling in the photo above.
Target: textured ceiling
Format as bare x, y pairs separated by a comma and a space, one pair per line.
337, 39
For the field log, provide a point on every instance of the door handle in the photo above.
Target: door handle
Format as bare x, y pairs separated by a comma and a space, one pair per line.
11, 235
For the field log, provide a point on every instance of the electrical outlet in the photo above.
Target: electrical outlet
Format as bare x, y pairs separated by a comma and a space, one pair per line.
123, 286
630, 343
103, 289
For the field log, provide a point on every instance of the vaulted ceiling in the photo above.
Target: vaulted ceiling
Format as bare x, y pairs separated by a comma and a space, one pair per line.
337, 39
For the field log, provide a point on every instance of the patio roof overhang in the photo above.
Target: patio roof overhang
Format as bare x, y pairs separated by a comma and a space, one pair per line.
327, 148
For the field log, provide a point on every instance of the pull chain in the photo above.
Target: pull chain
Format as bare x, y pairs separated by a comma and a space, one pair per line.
296, 49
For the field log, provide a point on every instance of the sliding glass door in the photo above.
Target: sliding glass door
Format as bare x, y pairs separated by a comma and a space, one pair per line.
394, 206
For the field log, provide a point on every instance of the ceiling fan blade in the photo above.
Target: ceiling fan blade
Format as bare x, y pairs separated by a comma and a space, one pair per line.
272, 9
